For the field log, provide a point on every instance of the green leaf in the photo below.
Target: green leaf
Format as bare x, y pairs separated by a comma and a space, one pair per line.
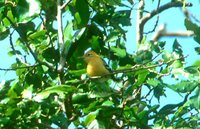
177, 47
13, 53
60, 89
97, 124
6, 22
159, 91
81, 98
27, 93
26, 10
166, 56
11, 93
94, 41
177, 64
37, 34
162, 44
112, 36
91, 117
167, 109
108, 103
92, 107
154, 108
193, 70
78, 34
141, 78
119, 52
184, 86
4, 120
153, 82
143, 56
77, 72
82, 14
195, 28
67, 31
112, 2
4, 32
122, 18
197, 63
197, 49
51, 55
143, 117
194, 102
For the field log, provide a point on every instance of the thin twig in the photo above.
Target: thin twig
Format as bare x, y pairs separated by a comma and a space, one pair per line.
157, 20
146, 18
13, 69
15, 51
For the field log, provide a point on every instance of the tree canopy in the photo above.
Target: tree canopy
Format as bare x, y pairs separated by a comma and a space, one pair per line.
51, 88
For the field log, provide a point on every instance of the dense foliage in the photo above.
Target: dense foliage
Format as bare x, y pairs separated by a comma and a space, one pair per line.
50, 90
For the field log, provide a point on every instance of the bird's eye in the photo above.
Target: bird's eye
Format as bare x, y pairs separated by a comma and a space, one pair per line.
89, 54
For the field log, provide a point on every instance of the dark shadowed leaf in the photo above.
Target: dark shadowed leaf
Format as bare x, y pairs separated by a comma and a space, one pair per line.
82, 14
197, 49
4, 32
194, 27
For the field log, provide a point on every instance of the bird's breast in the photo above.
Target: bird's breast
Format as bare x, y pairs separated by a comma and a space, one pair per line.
96, 69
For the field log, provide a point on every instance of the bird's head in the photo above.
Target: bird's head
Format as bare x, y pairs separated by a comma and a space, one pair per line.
90, 55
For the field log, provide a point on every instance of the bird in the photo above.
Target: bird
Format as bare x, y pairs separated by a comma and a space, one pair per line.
96, 66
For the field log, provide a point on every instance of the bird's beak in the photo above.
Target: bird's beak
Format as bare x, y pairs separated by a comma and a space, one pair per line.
81, 57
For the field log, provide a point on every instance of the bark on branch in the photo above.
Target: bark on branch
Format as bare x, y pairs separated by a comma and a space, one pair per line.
142, 21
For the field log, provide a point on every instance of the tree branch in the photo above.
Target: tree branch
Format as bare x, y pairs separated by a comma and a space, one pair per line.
63, 52
128, 70
163, 33
15, 51
139, 17
156, 24
65, 4
155, 12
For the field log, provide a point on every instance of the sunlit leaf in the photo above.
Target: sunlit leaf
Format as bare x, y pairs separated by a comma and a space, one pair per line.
194, 102
37, 34
119, 52
108, 103
184, 86
60, 89
91, 117
153, 82
13, 53
166, 56
97, 124
27, 93
177, 64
